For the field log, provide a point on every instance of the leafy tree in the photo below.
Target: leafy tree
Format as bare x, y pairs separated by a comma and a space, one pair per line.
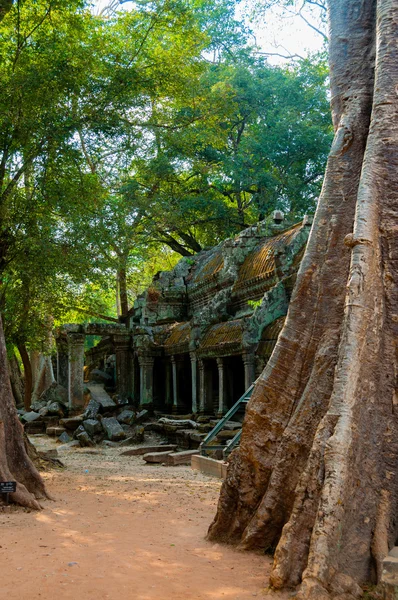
257, 140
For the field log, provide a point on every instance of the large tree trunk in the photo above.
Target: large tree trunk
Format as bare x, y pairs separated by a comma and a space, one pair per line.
15, 464
315, 476
28, 375
16, 380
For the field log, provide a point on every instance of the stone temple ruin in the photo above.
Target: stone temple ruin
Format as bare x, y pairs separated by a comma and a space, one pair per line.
200, 334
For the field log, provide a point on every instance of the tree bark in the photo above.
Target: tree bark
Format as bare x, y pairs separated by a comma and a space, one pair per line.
122, 287
15, 464
16, 380
315, 475
28, 375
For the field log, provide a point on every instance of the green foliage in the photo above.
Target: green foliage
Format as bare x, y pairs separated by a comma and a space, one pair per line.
128, 142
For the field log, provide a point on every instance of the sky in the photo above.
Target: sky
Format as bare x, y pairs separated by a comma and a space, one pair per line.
278, 32
287, 34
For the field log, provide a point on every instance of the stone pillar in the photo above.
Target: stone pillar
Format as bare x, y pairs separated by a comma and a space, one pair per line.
169, 385
175, 383
146, 381
222, 399
249, 364
202, 387
75, 371
194, 382
62, 362
123, 375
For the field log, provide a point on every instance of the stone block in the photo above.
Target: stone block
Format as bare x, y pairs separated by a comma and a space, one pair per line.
99, 395
156, 427
156, 457
136, 436
71, 423
28, 417
36, 406
113, 429
141, 416
110, 444
55, 431
180, 423
127, 417
180, 458
184, 438
84, 439
147, 449
203, 419
92, 410
55, 408
92, 426
205, 427
77, 431
35, 427
209, 466
55, 393
64, 438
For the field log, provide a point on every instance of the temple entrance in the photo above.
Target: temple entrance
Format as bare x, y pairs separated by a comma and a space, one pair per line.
184, 384
136, 380
159, 384
234, 379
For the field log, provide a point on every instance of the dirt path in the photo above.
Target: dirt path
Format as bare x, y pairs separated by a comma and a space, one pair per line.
123, 529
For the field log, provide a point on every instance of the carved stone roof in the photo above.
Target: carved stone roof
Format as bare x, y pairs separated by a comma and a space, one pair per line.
260, 264
209, 267
222, 339
178, 340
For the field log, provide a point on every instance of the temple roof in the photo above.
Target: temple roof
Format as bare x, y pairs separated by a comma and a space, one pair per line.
178, 340
260, 264
208, 267
223, 338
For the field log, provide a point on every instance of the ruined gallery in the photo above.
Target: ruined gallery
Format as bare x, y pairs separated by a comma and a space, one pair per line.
198, 337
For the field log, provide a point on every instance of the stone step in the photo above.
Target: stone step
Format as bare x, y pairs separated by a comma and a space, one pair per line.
180, 458
209, 466
149, 449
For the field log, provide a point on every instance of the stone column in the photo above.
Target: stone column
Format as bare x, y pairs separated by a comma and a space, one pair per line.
62, 362
123, 375
146, 381
194, 382
75, 370
175, 383
168, 385
249, 364
202, 387
222, 400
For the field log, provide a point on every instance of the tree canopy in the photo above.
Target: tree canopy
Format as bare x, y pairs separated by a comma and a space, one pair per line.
130, 140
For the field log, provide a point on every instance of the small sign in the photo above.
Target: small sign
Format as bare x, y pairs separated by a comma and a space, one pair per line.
8, 487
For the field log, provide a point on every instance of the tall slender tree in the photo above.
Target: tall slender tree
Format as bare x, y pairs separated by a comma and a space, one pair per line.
315, 476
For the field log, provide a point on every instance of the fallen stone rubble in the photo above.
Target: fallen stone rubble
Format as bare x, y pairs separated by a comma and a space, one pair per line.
108, 422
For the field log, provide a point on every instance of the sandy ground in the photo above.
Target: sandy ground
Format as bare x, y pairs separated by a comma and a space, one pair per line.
119, 528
